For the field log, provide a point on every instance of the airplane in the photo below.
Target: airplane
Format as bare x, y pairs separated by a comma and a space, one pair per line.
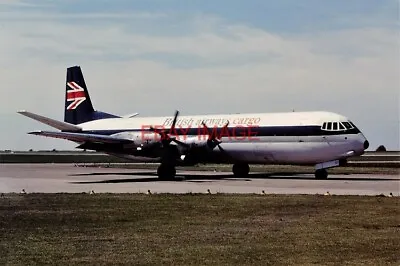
319, 138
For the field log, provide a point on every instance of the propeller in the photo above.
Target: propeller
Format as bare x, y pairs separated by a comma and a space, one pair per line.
166, 139
213, 139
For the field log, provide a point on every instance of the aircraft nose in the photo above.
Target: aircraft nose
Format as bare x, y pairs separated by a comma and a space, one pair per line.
366, 144
362, 144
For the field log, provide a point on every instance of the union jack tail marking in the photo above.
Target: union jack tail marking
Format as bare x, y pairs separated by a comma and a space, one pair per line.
76, 94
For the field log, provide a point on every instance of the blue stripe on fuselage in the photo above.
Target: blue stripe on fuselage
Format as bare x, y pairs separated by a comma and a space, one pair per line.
264, 131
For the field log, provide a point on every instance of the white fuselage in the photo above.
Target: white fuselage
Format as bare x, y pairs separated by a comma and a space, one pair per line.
259, 138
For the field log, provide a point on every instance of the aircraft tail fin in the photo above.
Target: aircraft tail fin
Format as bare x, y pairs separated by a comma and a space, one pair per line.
78, 106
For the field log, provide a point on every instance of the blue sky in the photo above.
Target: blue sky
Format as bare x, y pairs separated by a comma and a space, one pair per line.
252, 56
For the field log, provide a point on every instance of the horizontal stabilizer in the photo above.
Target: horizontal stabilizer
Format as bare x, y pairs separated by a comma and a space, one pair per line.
82, 137
51, 122
130, 115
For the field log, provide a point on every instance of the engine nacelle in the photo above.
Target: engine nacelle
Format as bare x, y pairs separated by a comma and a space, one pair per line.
197, 142
139, 139
142, 140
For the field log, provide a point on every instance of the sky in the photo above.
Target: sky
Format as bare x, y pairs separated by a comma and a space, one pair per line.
201, 57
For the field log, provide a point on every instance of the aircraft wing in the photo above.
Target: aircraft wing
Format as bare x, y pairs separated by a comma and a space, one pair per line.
82, 137
51, 122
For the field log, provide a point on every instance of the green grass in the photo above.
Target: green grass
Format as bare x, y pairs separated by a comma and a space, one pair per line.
137, 229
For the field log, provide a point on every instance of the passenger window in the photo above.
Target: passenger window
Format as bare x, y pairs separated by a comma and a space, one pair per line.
329, 127
334, 124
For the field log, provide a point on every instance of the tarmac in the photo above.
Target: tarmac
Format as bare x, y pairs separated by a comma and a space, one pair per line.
67, 178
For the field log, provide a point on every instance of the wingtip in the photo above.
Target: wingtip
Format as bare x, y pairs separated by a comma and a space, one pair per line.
36, 132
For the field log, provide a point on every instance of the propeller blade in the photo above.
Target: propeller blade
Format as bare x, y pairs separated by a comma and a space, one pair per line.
211, 137
205, 127
214, 139
174, 121
224, 152
222, 130
165, 133
221, 149
180, 143
226, 125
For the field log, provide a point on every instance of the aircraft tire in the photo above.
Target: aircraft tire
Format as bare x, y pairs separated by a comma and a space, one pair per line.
166, 172
240, 169
321, 174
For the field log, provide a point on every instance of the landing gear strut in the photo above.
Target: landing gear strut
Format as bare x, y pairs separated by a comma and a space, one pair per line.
166, 172
240, 169
321, 174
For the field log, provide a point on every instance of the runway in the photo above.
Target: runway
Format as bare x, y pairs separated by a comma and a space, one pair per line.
58, 178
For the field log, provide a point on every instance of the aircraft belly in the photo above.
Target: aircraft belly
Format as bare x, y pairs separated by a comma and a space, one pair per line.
288, 150
303, 152
275, 150
239, 151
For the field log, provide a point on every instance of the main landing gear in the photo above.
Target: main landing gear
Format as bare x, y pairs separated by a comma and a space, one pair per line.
240, 169
166, 172
321, 174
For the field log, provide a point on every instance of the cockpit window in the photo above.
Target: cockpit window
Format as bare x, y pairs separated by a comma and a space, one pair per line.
337, 126
347, 125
